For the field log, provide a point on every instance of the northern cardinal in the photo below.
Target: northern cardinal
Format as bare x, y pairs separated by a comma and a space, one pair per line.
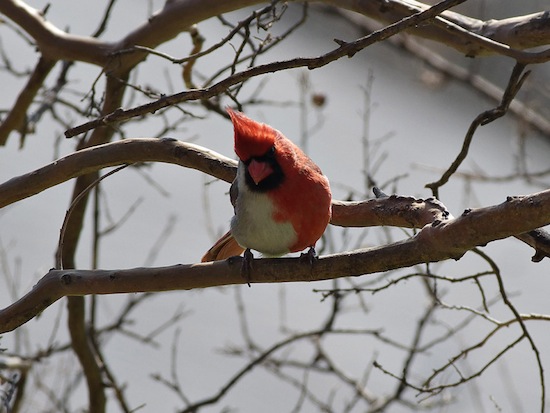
281, 198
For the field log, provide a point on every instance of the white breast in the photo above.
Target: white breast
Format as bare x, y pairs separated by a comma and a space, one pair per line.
253, 225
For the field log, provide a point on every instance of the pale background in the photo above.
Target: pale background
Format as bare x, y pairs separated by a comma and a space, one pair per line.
427, 125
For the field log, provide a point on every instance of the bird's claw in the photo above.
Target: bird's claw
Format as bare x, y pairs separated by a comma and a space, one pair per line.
246, 268
310, 256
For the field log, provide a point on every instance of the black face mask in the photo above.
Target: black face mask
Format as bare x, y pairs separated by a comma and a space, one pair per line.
272, 181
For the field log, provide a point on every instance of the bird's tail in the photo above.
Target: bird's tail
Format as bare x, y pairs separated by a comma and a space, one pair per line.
224, 248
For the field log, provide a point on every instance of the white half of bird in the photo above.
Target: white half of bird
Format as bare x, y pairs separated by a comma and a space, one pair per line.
253, 225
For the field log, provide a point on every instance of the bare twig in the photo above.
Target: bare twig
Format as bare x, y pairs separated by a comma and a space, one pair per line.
344, 49
76, 200
514, 85
526, 334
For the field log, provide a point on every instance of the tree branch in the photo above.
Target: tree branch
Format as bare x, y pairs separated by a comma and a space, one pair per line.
519, 32
470, 36
117, 153
86, 356
424, 51
344, 49
436, 242
398, 211
17, 115
514, 85
54, 43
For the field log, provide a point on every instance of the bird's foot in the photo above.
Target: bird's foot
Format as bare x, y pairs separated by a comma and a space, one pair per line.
248, 257
310, 256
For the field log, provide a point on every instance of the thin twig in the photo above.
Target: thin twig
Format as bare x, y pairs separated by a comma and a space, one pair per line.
344, 49
514, 85
76, 200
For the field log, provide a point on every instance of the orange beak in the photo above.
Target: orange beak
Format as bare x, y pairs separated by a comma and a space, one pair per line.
259, 170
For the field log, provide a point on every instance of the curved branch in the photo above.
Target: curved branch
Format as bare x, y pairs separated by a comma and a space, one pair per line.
54, 43
436, 242
113, 154
176, 16
398, 211
517, 78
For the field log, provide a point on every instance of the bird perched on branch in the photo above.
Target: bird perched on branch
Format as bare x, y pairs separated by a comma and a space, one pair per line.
281, 198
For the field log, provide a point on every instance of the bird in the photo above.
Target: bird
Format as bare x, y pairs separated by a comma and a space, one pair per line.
281, 199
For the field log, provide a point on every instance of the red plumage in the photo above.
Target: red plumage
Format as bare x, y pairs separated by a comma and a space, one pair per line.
251, 138
282, 199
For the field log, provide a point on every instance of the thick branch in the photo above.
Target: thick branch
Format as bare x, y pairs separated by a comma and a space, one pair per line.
399, 211
176, 16
470, 36
17, 115
54, 43
113, 154
435, 242
393, 211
